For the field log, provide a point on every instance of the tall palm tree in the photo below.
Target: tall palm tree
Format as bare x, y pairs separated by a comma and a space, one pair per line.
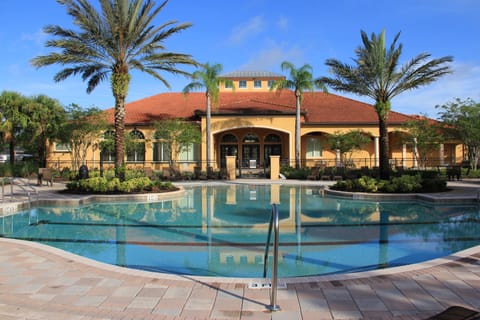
208, 78
110, 43
301, 79
376, 74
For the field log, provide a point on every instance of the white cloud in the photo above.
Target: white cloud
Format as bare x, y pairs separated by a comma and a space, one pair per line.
246, 30
271, 57
38, 37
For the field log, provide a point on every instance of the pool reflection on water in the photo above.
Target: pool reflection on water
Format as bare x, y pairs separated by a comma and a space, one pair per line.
222, 231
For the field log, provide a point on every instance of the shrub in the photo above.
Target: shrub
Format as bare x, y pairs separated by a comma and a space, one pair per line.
292, 173
404, 184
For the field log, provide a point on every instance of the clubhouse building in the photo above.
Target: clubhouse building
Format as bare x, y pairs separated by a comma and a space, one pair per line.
252, 123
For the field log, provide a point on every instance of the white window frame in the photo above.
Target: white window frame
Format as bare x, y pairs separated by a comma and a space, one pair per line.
257, 84
242, 84
63, 147
314, 147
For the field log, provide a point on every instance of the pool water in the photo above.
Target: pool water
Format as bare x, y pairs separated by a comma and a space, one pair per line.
222, 231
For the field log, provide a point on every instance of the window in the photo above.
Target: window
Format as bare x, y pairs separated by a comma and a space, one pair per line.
272, 138
229, 138
270, 83
314, 147
228, 85
257, 83
136, 148
251, 138
161, 151
242, 84
107, 147
62, 147
189, 153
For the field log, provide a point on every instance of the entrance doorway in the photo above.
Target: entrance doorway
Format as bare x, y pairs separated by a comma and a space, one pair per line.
250, 156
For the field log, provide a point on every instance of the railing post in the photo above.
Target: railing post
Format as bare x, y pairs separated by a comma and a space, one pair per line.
273, 301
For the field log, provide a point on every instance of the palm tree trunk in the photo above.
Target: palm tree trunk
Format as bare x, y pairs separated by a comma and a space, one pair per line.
297, 132
120, 82
208, 132
384, 161
119, 138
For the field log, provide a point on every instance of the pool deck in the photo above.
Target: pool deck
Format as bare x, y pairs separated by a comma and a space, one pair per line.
40, 282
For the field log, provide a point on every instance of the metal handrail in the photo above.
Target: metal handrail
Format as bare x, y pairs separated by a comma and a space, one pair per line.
275, 226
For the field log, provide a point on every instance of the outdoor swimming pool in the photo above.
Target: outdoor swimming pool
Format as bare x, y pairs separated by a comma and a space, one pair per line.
222, 231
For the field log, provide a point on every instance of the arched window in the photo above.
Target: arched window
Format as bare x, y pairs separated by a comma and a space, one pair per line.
251, 138
136, 146
107, 146
273, 138
229, 138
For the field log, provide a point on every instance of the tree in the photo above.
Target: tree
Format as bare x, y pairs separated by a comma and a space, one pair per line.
119, 38
208, 78
462, 120
45, 117
81, 131
348, 142
301, 79
179, 135
13, 118
376, 74
424, 136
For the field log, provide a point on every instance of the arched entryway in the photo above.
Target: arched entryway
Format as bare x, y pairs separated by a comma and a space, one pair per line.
252, 146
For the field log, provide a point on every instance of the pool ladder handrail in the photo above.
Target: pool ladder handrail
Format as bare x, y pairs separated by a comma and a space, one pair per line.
275, 225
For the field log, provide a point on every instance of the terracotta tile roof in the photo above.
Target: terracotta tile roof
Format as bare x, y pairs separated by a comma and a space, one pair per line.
317, 107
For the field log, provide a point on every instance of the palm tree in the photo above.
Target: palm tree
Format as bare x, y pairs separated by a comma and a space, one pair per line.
376, 74
208, 78
301, 79
109, 44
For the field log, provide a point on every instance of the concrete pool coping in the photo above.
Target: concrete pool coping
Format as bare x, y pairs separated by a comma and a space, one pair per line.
441, 282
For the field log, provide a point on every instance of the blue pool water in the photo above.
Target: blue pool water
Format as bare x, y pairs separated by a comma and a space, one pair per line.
222, 231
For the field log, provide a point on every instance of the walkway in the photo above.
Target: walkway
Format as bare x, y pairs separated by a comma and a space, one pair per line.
40, 282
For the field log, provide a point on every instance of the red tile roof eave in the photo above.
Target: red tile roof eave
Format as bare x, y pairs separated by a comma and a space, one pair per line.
351, 123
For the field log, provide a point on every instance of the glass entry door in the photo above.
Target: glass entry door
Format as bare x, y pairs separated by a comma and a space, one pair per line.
250, 155
272, 150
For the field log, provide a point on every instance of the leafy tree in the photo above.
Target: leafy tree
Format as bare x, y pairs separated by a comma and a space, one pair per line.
179, 134
111, 42
81, 131
301, 79
462, 119
376, 74
423, 136
45, 117
348, 142
13, 118
208, 78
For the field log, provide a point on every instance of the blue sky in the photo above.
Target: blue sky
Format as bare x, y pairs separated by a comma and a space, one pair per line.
259, 35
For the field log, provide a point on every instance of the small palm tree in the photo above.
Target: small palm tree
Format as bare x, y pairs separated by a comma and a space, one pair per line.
208, 78
376, 74
301, 79
109, 44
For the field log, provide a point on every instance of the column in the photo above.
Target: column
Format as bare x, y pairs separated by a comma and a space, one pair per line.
274, 167
415, 152
442, 154
377, 151
231, 168
404, 155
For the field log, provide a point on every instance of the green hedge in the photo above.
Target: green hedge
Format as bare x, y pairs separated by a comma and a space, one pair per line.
114, 185
407, 183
